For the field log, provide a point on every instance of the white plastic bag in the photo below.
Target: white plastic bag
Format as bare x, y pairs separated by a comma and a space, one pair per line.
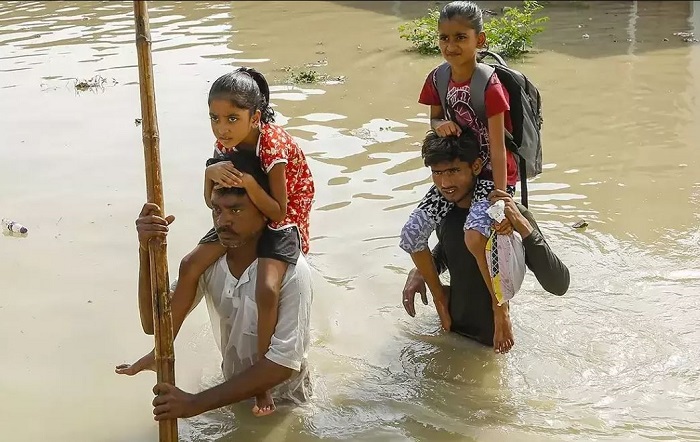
505, 256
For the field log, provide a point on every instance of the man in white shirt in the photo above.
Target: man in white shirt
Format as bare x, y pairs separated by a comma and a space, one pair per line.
229, 288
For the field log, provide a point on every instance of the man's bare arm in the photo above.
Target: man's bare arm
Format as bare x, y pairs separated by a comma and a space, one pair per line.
550, 271
148, 225
259, 378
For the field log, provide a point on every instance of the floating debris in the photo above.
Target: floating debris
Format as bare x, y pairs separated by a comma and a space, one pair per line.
11, 227
687, 37
317, 64
94, 83
138, 121
582, 224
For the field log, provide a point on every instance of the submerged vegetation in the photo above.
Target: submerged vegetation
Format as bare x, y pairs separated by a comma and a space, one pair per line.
309, 75
93, 84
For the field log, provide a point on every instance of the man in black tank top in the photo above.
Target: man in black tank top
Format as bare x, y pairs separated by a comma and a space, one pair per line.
455, 163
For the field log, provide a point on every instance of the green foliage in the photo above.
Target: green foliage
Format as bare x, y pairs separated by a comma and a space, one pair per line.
422, 33
510, 35
310, 76
306, 77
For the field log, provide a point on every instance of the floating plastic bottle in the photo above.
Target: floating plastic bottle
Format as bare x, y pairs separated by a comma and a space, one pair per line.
13, 227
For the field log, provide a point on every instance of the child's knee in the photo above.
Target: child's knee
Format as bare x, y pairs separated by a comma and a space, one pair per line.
197, 261
269, 282
188, 267
475, 241
267, 294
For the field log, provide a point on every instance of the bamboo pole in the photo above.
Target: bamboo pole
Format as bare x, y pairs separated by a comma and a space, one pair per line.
162, 316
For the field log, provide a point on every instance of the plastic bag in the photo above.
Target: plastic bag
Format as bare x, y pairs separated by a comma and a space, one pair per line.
505, 256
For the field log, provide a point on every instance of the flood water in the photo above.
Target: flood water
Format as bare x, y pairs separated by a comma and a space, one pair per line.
617, 358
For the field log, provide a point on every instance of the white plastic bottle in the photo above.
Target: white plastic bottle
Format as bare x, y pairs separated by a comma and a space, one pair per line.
14, 227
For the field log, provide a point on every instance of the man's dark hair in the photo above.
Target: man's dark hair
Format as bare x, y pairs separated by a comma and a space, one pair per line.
246, 162
437, 149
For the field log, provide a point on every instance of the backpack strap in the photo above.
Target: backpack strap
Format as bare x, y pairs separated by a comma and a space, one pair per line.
495, 56
443, 73
522, 168
477, 89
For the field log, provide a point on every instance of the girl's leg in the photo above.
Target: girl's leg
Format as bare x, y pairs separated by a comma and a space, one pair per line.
267, 296
191, 269
476, 234
277, 250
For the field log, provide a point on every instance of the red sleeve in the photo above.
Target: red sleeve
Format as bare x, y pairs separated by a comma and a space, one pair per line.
429, 94
495, 98
274, 147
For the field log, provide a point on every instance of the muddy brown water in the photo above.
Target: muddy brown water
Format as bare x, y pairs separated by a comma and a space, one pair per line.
615, 359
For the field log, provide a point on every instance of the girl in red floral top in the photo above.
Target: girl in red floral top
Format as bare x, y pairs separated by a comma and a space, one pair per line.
241, 118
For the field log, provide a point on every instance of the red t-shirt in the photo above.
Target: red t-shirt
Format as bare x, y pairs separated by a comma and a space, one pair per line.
496, 101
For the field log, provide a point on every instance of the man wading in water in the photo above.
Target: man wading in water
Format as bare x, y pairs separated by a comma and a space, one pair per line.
455, 164
228, 286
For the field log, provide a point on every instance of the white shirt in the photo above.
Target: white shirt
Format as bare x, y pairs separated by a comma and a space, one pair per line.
234, 318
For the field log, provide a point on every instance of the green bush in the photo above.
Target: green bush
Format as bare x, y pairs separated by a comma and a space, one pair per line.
422, 33
510, 35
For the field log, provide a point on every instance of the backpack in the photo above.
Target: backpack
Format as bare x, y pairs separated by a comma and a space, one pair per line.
525, 111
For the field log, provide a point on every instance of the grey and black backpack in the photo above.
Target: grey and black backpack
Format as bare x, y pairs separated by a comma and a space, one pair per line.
525, 111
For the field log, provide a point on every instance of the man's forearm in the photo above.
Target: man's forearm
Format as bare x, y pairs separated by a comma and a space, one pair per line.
550, 271
262, 376
425, 265
144, 295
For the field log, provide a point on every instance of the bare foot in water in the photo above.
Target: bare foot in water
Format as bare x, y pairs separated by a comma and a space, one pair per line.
503, 330
148, 362
264, 405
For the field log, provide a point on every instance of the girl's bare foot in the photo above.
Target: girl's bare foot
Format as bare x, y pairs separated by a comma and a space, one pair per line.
264, 405
503, 330
148, 362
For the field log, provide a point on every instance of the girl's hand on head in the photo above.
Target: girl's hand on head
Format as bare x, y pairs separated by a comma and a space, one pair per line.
448, 128
243, 180
222, 173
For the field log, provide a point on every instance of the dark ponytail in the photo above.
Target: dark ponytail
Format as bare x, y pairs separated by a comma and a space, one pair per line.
245, 88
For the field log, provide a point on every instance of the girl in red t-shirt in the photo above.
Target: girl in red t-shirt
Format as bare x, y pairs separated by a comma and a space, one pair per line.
241, 118
461, 33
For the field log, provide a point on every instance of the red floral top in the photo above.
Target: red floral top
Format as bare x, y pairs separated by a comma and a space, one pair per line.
276, 146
